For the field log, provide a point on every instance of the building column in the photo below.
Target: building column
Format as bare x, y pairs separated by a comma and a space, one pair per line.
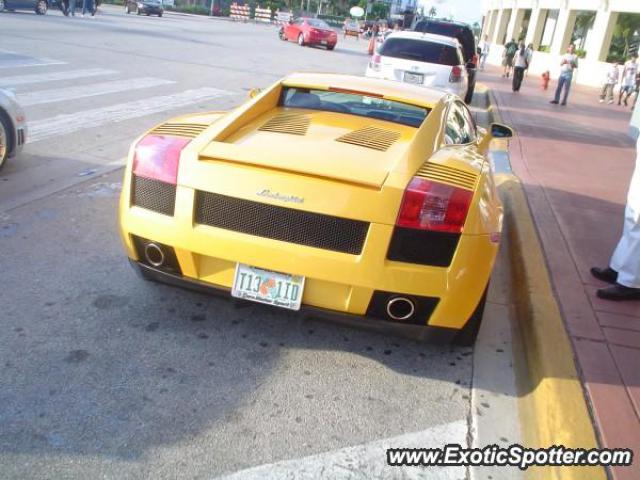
536, 24
599, 39
564, 30
501, 26
489, 21
515, 24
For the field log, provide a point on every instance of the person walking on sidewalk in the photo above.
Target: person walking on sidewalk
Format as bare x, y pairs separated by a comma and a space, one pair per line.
610, 81
88, 7
568, 64
485, 47
628, 79
624, 268
520, 64
507, 57
71, 10
529, 58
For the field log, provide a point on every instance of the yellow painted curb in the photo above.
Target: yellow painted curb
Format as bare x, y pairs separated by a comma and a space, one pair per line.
553, 409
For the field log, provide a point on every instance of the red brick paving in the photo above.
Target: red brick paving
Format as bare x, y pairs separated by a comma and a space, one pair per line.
575, 163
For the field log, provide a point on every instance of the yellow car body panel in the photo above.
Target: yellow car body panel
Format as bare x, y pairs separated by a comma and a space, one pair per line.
232, 157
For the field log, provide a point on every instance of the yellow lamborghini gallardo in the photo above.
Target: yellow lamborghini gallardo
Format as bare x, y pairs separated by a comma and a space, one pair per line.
367, 200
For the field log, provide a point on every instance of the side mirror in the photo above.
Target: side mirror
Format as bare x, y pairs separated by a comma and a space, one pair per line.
254, 92
496, 130
501, 131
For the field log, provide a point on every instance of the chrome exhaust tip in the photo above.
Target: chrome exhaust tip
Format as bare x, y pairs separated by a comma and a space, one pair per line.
154, 255
400, 308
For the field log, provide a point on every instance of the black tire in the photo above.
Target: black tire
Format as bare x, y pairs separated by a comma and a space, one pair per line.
281, 35
301, 40
6, 134
330, 47
160, 14
467, 336
41, 7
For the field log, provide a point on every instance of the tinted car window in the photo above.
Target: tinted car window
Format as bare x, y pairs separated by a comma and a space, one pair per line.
318, 23
459, 129
354, 104
420, 51
463, 34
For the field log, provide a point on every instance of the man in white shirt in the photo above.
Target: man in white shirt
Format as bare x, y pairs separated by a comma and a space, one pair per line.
610, 81
568, 63
624, 268
628, 79
485, 46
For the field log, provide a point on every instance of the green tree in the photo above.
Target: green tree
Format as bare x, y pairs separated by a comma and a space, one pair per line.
625, 35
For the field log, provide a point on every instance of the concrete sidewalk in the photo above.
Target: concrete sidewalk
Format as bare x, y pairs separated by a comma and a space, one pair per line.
575, 163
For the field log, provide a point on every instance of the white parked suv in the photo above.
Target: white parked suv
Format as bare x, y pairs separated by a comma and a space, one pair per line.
423, 59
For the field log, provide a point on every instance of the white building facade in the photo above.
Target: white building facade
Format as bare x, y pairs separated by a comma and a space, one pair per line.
551, 25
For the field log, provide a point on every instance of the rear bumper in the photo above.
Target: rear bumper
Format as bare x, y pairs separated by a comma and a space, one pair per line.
422, 333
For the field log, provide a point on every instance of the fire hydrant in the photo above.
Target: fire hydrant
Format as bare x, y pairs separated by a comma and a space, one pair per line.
544, 82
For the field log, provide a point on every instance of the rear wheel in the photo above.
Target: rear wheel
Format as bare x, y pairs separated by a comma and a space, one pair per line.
301, 40
467, 336
41, 7
4, 141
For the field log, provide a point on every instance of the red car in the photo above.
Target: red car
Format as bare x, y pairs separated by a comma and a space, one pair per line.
309, 31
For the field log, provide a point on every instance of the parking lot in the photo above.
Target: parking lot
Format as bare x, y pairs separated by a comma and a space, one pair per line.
105, 374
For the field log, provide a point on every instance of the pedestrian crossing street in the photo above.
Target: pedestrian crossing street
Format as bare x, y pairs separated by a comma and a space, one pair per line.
119, 97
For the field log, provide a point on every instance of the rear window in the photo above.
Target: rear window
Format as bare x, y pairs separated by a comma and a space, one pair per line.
464, 35
353, 103
420, 51
314, 22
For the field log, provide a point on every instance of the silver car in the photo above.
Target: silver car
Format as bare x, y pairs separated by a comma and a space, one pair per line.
13, 126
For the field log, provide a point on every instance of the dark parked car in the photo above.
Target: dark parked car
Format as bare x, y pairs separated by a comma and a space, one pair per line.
38, 6
146, 7
463, 33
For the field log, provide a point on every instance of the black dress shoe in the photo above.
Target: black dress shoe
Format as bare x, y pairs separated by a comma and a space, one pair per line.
619, 293
608, 275
554, 102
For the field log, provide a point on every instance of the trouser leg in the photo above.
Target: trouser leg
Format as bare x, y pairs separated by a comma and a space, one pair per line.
626, 256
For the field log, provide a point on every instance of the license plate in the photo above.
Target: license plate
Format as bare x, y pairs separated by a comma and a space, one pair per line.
323, 42
413, 77
264, 286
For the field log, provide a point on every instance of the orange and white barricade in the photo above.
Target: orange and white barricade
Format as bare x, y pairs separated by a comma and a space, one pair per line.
262, 15
240, 12
282, 18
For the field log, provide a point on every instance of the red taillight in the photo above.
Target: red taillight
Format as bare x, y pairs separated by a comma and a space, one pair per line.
428, 205
474, 60
375, 62
157, 157
456, 74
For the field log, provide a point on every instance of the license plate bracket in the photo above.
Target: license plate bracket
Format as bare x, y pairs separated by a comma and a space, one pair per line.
415, 78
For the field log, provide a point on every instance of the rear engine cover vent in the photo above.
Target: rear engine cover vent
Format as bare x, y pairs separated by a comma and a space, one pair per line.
445, 174
287, 122
371, 137
189, 130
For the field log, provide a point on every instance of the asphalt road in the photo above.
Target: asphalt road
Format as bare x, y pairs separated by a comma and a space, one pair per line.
105, 375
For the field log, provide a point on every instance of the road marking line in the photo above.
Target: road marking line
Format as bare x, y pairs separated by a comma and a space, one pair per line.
9, 59
82, 91
367, 461
53, 76
66, 124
